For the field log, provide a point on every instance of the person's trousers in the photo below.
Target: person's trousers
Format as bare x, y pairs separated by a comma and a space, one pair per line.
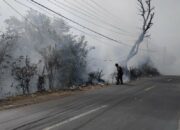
119, 79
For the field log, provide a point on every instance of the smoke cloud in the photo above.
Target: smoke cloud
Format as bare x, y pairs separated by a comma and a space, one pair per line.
164, 36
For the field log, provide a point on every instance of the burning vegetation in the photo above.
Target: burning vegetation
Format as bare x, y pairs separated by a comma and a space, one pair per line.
144, 70
41, 55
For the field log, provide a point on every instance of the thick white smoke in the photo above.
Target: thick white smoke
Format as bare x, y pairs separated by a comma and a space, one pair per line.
36, 35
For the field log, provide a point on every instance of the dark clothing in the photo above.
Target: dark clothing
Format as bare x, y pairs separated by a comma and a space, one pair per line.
119, 70
119, 77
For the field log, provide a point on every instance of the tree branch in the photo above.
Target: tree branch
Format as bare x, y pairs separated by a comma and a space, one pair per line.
147, 13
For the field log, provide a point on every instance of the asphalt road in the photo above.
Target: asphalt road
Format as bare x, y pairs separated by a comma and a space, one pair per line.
146, 104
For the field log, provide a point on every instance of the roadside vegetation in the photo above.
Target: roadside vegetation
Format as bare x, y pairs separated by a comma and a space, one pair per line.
42, 55
39, 54
144, 70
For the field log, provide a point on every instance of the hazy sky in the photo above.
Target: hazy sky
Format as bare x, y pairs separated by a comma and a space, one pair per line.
165, 34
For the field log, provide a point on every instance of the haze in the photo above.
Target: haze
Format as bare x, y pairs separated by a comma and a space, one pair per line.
164, 34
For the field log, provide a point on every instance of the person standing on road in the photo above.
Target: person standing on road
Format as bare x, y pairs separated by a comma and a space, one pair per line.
119, 74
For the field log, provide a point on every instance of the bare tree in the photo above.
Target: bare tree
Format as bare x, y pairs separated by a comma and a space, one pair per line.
23, 72
64, 55
147, 13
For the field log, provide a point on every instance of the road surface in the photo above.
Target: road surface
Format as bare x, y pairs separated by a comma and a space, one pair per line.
146, 104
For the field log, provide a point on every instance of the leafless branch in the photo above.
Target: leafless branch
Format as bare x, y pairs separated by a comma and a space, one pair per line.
146, 11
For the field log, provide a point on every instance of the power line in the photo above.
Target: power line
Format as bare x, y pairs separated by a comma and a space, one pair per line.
89, 16
94, 37
93, 8
38, 28
77, 7
20, 14
85, 10
86, 20
33, 5
91, 30
91, 35
39, 7
87, 7
48, 16
76, 4
105, 10
14, 9
102, 8
87, 28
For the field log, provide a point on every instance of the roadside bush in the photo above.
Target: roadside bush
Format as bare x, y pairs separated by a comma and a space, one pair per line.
23, 71
143, 71
96, 77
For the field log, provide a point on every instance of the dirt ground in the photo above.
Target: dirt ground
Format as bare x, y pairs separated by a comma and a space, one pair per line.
19, 101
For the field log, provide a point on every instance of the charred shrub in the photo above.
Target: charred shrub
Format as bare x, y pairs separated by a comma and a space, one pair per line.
23, 71
144, 70
96, 77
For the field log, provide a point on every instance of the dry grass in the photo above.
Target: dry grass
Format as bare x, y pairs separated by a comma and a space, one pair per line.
19, 101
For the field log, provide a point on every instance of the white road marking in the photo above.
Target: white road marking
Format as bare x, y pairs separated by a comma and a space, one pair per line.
75, 118
148, 89
169, 80
178, 124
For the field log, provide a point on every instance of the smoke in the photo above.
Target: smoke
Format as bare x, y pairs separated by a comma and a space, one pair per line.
164, 34
41, 33
135, 49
